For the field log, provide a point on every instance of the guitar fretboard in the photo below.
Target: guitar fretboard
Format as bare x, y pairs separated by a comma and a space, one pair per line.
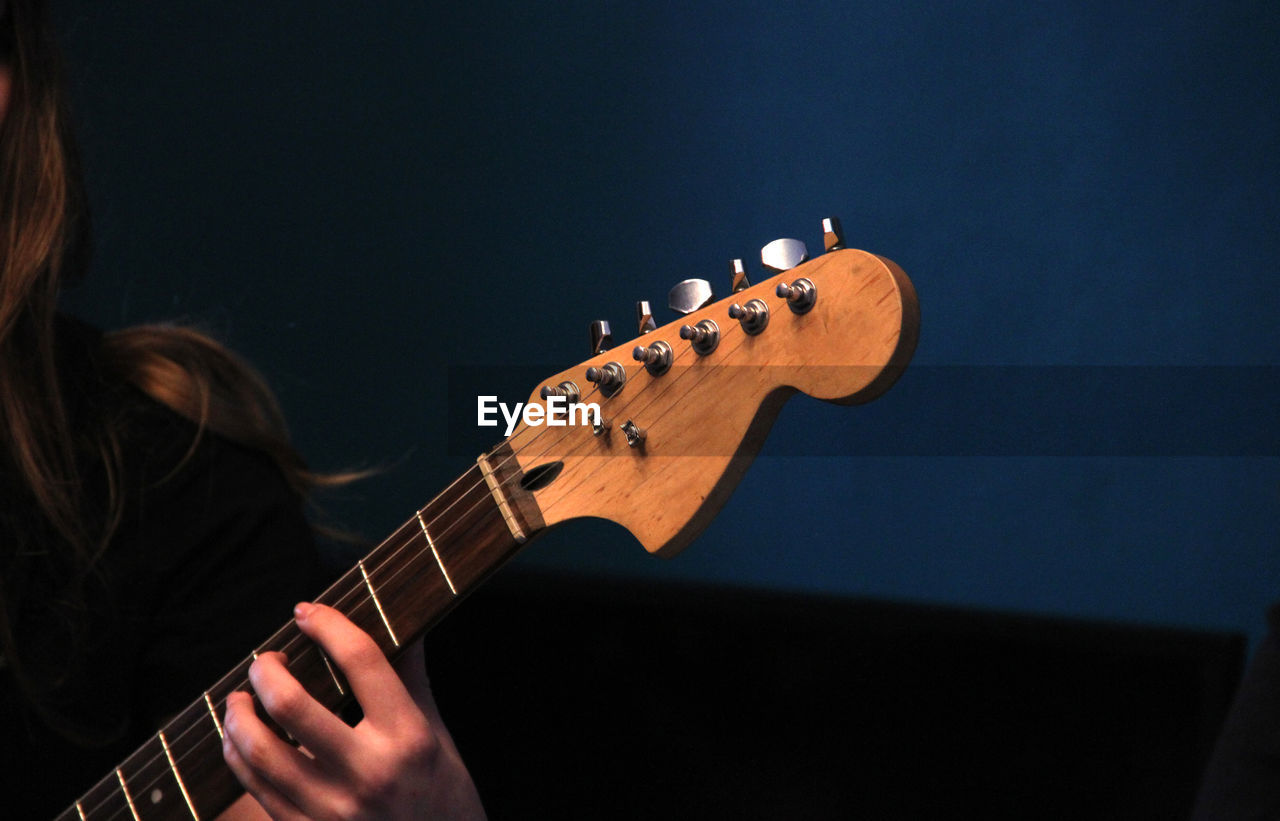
395, 593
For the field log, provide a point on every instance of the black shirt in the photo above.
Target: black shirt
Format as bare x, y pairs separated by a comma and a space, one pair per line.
211, 555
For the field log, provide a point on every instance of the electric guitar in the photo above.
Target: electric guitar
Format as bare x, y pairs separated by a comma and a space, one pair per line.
682, 411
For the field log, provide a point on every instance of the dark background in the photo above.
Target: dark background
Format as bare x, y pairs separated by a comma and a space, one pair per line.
368, 201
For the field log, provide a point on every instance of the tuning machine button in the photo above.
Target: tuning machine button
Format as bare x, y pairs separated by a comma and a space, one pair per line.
800, 295
656, 357
644, 317
740, 281
832, 234
608, 379
569, 390
754, 316
783, 255
705, 336
690, 295
601, 336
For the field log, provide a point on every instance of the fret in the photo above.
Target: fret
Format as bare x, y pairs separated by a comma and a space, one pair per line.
186, 796
469, 532
373, 594
312, 668
124, 788
444, 571
332, 673
411, 584
196, 783
363, 613
369, 595
350, 596
217, 723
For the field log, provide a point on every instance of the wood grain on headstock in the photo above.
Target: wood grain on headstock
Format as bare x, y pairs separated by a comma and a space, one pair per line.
707, 417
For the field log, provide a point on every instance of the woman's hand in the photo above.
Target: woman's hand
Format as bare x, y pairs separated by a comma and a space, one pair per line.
398, 762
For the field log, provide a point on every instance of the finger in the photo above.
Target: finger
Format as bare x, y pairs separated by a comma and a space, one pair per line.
275, 804
293, 708
381, 695
412, 669
268, 759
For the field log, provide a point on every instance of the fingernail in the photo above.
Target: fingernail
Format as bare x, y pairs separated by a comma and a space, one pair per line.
303, 609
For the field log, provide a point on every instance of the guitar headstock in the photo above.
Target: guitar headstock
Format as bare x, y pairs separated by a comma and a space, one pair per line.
684, 408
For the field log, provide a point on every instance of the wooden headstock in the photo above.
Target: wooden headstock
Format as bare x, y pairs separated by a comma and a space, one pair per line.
670, 449
704, 419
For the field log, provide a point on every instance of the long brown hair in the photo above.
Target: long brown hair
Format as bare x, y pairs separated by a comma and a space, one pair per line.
43, 245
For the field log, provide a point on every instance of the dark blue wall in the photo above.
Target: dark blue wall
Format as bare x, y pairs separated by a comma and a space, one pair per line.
1084, 194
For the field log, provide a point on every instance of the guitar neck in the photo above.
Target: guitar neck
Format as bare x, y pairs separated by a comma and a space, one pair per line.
395, 593
675, 430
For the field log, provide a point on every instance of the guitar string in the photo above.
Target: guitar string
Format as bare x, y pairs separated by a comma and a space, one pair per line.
356, 589
387, 560
362, 597
239, 680
359, 590
234, 681
667, 384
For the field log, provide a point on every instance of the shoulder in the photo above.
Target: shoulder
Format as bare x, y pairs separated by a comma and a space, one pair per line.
191, 503
211, 550
153, 454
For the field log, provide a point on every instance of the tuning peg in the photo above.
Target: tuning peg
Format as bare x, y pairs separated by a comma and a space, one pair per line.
656, 357
800, 295
569, 390
754, 316
689, 296
832, 234
644, 317
740, 281
609, 379
601, 337
705, 336
783, 255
